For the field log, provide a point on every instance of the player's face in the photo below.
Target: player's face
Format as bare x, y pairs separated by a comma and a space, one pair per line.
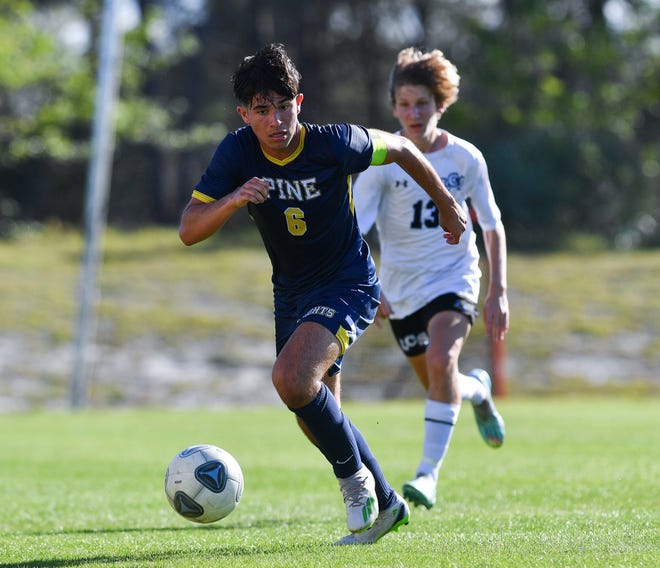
274, 121
416, 110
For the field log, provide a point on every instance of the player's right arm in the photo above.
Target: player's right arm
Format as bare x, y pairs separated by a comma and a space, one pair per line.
200, 219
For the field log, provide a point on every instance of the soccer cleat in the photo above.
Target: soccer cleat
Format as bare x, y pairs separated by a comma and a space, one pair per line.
389, 520
359, 491
420, 491
489, 421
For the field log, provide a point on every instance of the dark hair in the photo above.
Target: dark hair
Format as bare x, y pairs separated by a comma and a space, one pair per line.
269, 69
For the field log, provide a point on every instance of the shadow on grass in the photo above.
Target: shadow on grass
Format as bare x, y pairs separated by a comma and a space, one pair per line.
147, 559
219, 551
193, 527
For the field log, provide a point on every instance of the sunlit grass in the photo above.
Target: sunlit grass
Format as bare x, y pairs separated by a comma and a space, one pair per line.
575, 484
599, 293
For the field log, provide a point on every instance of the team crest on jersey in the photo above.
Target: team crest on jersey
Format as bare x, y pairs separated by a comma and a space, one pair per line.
453, 181
321, 311
294, 190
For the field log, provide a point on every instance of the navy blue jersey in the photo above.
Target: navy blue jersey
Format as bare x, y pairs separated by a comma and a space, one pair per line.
308, 222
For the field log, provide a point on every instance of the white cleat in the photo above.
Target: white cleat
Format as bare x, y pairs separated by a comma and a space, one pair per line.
359, 491
421, 491
489, 421
389, 520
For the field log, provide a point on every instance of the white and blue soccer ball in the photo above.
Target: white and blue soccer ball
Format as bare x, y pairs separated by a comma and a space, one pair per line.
204, 483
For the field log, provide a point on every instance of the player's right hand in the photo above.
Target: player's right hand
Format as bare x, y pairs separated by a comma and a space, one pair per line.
254, 190
384, 310
454, 222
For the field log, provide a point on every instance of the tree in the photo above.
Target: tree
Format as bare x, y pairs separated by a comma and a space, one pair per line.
564, 104
560, 95
47, 85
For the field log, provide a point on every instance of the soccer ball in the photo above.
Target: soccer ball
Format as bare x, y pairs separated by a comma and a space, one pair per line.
204, 483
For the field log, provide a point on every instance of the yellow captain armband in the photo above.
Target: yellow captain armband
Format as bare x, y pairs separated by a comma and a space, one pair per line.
380, 148
202, 196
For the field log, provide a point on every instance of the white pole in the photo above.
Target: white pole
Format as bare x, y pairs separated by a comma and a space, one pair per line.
98, 184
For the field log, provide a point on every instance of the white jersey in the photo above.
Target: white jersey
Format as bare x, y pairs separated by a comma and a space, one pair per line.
416, 264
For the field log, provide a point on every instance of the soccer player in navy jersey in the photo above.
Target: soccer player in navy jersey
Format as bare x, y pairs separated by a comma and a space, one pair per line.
295, 180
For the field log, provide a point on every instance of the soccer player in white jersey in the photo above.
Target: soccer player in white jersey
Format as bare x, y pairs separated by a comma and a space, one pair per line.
430, 289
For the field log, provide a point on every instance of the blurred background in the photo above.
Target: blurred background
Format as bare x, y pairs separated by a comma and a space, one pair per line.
561, 96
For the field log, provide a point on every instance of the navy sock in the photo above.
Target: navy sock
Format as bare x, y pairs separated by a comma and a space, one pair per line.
332, 432
384, 491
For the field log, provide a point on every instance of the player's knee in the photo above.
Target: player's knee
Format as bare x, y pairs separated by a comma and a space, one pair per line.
286, 381
440, 365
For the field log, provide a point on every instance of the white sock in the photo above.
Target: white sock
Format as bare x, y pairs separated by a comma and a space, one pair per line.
472, 389
439, 421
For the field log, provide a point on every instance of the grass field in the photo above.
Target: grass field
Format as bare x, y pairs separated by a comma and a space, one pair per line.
576, 484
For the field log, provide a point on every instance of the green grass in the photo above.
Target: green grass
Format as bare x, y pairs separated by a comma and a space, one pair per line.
576, 484
145, 272
148, 282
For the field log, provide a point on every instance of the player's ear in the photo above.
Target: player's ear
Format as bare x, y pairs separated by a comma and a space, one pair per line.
243, 112
299, 99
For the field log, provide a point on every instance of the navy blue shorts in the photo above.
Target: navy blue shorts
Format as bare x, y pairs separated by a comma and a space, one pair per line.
345, 312
411, 332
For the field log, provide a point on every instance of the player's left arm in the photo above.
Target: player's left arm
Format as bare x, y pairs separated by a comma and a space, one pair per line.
496, 305
390, 148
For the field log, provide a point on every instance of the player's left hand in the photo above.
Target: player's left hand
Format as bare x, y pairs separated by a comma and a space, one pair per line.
496, 316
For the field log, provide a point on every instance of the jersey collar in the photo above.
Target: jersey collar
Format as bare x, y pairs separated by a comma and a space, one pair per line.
293, 156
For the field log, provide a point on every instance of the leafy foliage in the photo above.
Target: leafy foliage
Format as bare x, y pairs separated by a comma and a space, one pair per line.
561, 96
45, 101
